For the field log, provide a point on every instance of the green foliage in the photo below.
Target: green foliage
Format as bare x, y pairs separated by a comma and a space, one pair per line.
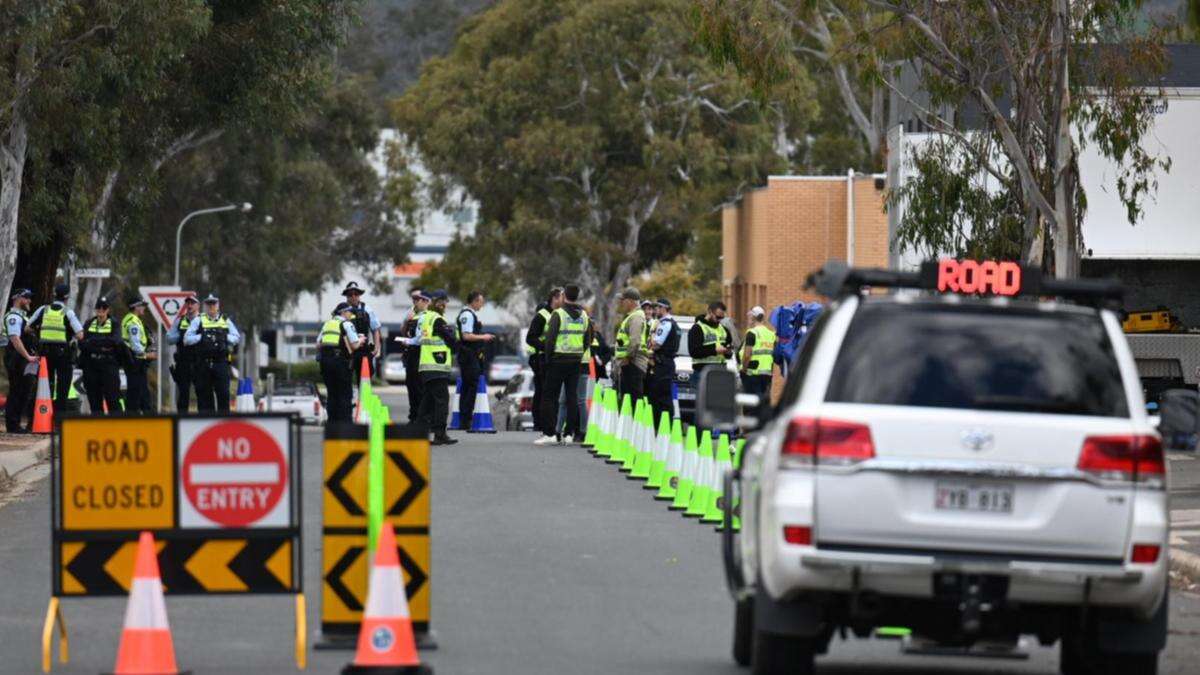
678, 281
595, 137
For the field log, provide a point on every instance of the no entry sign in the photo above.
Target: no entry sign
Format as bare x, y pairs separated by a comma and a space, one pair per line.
233, 473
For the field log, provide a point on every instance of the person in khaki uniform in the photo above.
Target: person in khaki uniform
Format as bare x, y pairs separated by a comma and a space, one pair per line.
632, 357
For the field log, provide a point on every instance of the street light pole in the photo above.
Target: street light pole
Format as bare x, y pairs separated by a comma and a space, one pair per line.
179, 230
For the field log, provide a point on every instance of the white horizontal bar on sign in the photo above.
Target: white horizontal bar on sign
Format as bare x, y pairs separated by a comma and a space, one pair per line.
249, 473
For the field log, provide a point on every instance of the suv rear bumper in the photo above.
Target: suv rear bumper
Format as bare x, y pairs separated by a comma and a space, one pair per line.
793, 570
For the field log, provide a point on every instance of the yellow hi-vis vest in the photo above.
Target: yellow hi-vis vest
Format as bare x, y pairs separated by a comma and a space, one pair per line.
712, 337
126, 323
545, 314
587, 351
762, 354
331, 335
570, 332
54, 325
435, 354
623, 336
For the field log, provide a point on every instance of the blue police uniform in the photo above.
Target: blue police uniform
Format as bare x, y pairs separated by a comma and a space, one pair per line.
214, 339
19, 385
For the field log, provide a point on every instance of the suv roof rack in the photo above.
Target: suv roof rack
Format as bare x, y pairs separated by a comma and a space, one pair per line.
836, 279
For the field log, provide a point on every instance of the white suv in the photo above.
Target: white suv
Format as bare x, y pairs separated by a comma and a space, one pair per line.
971, 468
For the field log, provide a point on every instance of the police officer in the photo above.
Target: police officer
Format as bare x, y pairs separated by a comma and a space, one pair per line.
17, 357
338, 340
758, 356
141, 353
535, 346
100, 356
437, 345
708, 341
214, 336
184, 369
568, 333
664, 346
56, 325
631, 359
472, 355
411, 339
367, 325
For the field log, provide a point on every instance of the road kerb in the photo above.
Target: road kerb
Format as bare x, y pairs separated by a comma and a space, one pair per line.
1185, 563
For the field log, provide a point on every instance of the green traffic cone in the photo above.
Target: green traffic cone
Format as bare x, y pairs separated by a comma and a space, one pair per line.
604, 444
691, 460
616, 453
702, 485
662, 447
632, 438
716, 502
645, 451
593, 426
670, 479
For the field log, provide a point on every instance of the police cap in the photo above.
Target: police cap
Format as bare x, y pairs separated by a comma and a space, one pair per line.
22, 293
663, 302
211, 299
352, 287
439, 294
135, 301
341, 307
191, 300
101, 303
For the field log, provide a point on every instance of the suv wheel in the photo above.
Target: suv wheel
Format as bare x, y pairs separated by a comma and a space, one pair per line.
1079, 657
743, 631
782, 655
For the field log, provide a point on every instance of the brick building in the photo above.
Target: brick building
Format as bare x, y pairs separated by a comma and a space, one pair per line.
774, 236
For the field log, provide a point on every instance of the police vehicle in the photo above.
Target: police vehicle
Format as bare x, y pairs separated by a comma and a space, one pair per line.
969, 459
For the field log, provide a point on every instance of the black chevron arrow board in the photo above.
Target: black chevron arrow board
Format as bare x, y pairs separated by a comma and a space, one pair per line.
344, 556
262, 563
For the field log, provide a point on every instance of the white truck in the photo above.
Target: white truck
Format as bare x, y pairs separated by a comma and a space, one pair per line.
975, 469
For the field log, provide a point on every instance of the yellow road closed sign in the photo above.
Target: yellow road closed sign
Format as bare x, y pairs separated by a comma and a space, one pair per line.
117, 473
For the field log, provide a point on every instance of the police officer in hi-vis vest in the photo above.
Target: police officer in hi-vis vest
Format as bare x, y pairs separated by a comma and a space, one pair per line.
437, 346
214, 336
184, 370
708, 342
535, 347
472, 355
100, 355
366, 323
141, 353
758, 357
632, 358
568, 333
337, 342
411, 339
56, 325
17, 357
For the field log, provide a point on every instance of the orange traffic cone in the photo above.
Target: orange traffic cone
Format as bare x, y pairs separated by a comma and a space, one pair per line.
43, 408
146, 645
385, 642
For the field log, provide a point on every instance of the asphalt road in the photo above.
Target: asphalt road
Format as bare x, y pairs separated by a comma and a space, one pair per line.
546, 561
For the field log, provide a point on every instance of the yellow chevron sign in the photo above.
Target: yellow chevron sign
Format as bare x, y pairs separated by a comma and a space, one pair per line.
405, 483
344, 565
187, 566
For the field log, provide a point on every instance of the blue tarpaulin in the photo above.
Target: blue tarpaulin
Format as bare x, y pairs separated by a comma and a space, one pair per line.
792, 323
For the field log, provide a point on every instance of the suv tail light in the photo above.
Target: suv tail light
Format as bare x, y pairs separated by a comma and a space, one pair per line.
525, 404
1144, 554
827, 442
1137, 459
797, 535
316, 406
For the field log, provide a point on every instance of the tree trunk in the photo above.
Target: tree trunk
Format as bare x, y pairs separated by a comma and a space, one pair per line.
13, 145
1065, 254
37, 265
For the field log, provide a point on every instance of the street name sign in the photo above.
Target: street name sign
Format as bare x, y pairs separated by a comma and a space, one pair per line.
92, 272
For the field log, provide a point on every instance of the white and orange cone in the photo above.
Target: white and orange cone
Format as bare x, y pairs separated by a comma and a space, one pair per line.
364, 388
385, 642
43, 407
146, 645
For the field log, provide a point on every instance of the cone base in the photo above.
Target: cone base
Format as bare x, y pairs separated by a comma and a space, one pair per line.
173, 672
422, 669
481, 431
651, 486
664, 498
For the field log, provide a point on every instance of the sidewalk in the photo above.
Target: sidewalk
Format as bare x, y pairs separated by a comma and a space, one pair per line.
22, 463
1185, 518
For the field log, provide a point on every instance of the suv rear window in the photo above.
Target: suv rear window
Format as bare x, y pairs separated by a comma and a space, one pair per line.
978, 358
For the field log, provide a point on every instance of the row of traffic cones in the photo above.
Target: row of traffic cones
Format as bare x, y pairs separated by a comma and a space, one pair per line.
683, 468
386, 644
481, 417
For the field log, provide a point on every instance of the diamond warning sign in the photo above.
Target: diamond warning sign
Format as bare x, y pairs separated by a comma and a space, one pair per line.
233, 473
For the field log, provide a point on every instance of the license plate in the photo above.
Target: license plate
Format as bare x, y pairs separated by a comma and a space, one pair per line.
984, 497
687, 396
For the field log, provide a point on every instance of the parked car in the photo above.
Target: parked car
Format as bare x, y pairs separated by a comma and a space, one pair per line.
504, 367
393, 369
298, 397
514, 403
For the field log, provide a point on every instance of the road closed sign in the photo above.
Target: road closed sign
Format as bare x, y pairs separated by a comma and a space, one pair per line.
234, 473
117, 474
